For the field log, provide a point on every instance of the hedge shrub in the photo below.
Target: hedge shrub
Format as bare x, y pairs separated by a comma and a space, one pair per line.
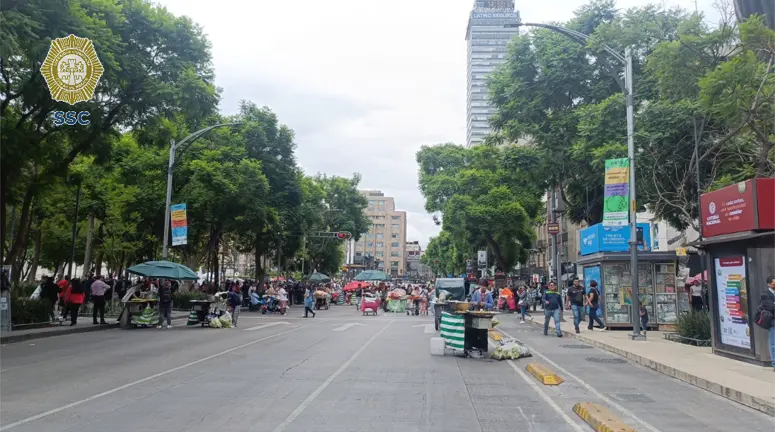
694, 325
27, 311
182, 299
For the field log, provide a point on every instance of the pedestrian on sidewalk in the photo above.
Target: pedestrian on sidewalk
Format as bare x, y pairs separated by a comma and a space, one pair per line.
165, 304
50, 291
593, 301
644, 318
308, 303
522, 300
552, 302
765, 314
574, 302
98, 289
74, 298
235, 303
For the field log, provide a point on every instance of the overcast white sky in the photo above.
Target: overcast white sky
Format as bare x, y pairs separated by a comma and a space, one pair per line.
363, 83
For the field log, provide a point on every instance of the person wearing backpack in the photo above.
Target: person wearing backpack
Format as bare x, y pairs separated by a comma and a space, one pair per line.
165, 304
593, 301
574, 302
765, 315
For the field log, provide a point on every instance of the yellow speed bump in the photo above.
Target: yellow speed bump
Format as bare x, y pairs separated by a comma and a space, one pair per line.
544, 374
600, 418
496, 336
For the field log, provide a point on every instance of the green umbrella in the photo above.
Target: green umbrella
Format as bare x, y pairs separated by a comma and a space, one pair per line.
372, 275
318, 278
163, 270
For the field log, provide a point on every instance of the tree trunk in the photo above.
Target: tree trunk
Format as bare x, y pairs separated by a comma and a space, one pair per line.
36, 254
216, 273
500, 262
18, 240
87, 254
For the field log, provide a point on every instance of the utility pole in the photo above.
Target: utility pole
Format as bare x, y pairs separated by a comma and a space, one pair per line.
75, 231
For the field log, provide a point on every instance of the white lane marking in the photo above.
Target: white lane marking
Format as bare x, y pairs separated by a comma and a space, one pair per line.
429, 328
346, 326
545, 397
591, 389
293, 415
262, 326
140, 381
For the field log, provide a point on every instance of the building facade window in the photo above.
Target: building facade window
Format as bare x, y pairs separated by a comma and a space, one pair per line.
395, 254
394, 235
394, 264
379, 226
395, 226
380, 235
380, 254
395, 217
380, 244
394, 244
370, 244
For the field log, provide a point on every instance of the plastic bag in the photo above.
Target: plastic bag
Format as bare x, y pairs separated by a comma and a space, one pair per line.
444, 295
225, 318
215, 323
495, 322
36, 294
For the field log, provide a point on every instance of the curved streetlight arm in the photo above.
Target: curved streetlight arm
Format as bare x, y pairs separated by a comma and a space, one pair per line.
573, 34
190, 138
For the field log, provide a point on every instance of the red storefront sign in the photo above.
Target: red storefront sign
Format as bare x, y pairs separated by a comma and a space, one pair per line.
745, 206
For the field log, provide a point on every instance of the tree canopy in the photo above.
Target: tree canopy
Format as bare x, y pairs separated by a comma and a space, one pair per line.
242, 185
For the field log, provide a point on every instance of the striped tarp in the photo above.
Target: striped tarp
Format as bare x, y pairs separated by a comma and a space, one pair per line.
452, 330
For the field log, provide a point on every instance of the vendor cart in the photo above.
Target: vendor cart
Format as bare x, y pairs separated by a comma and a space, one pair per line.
321, 302
200, 310
139, 312
477, 325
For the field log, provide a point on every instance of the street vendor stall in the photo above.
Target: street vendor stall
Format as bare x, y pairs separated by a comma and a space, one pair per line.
140, 307
322, 299
465, 330
200, 311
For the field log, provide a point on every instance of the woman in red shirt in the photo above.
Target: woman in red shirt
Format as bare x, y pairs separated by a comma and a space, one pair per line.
74, 297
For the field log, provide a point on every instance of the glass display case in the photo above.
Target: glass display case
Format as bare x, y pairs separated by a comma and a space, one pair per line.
666, 293
617, 291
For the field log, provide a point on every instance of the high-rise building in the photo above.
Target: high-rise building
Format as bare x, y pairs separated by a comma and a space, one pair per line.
486, 37
384, 246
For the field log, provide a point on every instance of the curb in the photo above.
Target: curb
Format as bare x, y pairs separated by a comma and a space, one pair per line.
14, 338
600, 418
544, 375
748, 400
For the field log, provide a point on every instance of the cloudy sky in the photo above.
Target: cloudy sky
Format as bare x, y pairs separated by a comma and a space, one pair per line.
363, 83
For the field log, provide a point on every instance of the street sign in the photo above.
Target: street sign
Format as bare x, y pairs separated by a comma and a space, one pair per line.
481, 258
553, 227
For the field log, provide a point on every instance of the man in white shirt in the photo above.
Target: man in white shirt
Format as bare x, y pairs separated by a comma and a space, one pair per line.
98, 289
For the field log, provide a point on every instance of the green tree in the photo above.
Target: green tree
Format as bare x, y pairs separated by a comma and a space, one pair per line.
156, 65
484, 197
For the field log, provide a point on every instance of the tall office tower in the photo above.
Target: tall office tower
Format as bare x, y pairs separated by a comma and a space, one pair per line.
486, 39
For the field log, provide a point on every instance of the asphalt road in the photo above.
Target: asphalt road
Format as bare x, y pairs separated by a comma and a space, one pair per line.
337, 372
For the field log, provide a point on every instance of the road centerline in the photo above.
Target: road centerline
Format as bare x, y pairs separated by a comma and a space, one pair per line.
311, 398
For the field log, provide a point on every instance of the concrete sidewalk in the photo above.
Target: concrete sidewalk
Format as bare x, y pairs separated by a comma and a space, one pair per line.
84, 326
744, 383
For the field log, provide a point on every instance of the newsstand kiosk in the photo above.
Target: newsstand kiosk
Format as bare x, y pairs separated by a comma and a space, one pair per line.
605, 259
738, 227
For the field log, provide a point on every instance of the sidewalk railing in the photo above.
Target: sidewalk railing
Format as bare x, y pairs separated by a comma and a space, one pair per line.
675, 337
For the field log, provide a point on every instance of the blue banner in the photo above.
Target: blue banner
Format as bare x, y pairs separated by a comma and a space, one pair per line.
593, 274
179, 223
599, 238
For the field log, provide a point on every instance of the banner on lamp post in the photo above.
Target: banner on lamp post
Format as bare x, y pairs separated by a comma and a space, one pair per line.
617, 182
179, 224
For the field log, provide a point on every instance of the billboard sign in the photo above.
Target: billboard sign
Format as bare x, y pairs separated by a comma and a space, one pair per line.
617, 192
732, 301
179, 224
745, 206
599, 238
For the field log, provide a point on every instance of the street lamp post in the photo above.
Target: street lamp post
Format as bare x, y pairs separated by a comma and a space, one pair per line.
170, 167
626, 61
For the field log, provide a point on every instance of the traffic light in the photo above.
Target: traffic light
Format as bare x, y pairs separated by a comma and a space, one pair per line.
343, 235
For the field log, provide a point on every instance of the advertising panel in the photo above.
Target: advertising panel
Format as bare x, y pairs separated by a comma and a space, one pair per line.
593, 274
733, 301
728, 210
617, 193
179, 224
599, 238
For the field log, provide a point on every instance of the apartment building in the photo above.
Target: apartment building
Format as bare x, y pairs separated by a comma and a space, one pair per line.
384, 246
